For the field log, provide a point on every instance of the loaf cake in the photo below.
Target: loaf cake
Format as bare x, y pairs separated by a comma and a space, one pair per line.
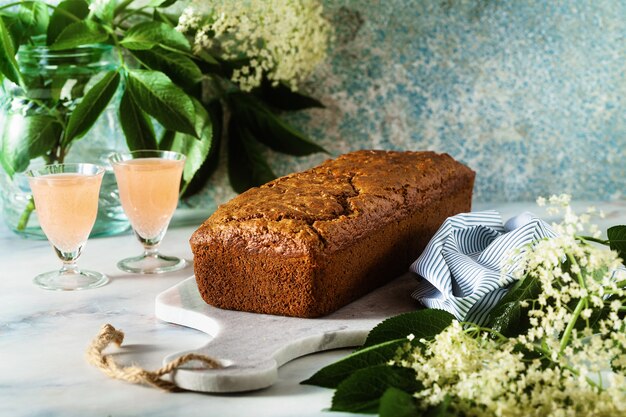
309, 243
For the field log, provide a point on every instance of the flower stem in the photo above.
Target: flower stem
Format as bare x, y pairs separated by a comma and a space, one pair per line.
122, 6
594, 239
546, 354
51, 158
118, 47
474, 328
28, 210
621, 284
132, 13
579, 276
571, 324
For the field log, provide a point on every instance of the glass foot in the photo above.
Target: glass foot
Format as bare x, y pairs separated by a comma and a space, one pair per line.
70, 281
151, 264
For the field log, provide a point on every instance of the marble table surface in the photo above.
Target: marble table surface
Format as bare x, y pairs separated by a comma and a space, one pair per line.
44, 334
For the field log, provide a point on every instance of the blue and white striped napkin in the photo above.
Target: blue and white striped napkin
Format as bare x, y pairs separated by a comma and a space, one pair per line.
464, 267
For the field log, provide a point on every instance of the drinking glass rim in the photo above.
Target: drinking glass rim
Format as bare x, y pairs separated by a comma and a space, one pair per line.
119, 157
82, 168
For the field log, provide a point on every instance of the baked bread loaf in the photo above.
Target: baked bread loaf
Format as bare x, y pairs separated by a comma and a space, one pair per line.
309, 243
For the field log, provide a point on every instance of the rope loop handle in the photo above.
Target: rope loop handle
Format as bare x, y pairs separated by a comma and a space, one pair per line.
135, 374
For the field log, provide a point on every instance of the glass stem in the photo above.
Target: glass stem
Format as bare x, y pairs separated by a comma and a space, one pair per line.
69, 267
151, 245
151, 251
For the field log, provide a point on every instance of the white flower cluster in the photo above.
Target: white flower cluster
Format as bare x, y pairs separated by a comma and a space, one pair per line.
572, 360
281, 39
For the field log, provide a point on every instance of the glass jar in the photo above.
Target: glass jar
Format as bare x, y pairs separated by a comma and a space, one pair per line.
54, 83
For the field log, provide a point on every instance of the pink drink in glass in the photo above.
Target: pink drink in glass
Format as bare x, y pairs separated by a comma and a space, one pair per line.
149, 192
149, 184
67, 205
66, 202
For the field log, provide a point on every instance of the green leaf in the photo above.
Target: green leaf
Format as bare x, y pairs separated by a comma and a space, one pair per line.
56, 87
397, 403
34, 18
423, 324
211, 161
160, 3
167, 139
66, 13
8, 64
332, 375
269, 129
35, 137
121, 7
166, 3
181, 69
361, 392
508, 316
147, 35
104, 10
593, 322
42, 133
169, 19
79, 33
137, 127
158, 96
509, 319
207, 58
78, 89
247, 167
617, 240
14, 28
91, 106
282, 98
195, 150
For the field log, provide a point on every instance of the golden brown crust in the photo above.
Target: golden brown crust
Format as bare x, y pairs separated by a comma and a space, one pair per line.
308, 243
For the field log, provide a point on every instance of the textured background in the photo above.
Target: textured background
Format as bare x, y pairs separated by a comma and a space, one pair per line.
531, 95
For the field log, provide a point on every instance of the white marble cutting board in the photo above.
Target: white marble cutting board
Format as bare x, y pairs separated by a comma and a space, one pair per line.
251, 346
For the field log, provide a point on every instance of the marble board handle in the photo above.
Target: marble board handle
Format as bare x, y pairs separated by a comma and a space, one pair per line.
252, 346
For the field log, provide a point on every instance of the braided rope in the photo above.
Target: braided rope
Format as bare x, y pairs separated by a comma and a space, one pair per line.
134, 374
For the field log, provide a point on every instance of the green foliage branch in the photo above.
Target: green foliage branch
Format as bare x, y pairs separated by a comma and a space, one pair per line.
171, 98
374, 379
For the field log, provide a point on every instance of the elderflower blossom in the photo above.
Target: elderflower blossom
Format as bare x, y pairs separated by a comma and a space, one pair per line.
282, 40
188, 20
570, 362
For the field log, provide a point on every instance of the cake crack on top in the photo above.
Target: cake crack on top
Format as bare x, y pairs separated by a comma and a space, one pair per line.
319, 235
344, 198
283, 210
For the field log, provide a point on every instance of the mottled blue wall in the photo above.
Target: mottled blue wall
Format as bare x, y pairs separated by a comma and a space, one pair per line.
530, 94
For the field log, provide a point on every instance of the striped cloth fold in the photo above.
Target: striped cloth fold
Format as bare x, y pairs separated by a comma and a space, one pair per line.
465, 266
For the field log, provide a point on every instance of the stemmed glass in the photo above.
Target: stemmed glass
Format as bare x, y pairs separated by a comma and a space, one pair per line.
66, 199
149, 182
